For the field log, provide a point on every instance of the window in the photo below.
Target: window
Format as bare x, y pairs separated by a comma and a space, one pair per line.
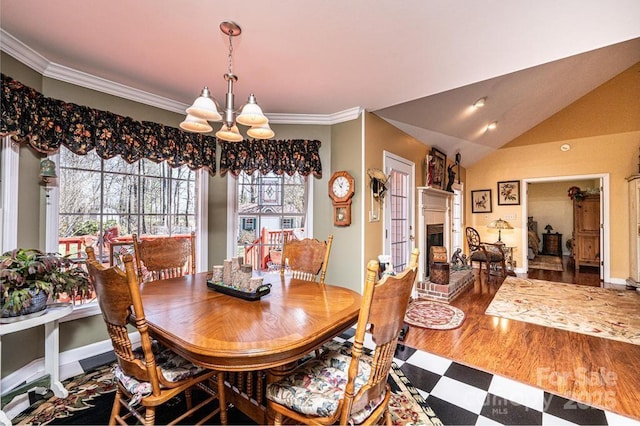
110, 198
106, 201
269, 209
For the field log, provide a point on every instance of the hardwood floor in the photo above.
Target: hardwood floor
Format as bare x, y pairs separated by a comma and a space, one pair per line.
599, 372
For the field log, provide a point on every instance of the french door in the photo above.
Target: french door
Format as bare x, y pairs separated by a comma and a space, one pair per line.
398, 210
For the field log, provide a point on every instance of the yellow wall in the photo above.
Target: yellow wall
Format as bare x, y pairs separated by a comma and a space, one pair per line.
603, 129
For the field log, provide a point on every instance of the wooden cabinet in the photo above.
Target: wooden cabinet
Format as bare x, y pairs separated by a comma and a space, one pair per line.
634, 231
552, 244
586, 231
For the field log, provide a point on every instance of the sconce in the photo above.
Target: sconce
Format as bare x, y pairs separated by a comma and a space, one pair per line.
378, 183
47, 172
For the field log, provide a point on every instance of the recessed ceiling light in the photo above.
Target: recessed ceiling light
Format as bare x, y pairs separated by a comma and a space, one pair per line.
565, 147
480, 102
492, 126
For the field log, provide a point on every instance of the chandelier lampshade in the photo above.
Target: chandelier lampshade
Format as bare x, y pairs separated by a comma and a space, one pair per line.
195, 124
261, 132
230, 134
205, 108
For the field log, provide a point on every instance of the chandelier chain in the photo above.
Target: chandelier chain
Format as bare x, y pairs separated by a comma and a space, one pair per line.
230, 53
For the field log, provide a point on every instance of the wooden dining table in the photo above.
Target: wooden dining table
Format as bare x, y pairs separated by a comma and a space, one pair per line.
227, 333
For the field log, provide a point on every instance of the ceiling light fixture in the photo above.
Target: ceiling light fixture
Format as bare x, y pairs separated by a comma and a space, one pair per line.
480, 102
492, 126
205, 109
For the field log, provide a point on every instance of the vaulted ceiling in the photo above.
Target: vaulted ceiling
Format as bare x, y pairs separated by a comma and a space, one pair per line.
419, 64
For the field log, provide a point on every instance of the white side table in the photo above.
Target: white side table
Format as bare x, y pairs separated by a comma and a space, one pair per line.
52, 347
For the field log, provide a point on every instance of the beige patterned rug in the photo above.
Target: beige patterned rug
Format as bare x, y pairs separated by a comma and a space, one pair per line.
548, 263
607, 313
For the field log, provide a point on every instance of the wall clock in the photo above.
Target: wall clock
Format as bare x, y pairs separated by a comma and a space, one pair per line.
341, 189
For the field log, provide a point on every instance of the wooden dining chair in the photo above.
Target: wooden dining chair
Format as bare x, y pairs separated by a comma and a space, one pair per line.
164, 257
306, 259
485, 253
340, 385
151, 375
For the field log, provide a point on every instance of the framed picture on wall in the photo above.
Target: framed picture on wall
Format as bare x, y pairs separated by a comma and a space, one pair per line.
438, 168
481, 201
509, 193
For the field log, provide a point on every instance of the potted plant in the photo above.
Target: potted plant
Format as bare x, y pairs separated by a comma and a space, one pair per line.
28, 277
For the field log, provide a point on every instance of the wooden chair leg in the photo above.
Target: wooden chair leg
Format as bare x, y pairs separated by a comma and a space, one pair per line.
115, 410
188, 399
150, 416
222, 399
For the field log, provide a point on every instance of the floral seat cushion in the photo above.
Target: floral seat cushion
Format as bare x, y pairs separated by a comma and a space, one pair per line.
174, 369
316, 386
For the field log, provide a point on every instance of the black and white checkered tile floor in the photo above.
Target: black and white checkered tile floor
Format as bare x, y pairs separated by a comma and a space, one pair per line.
460, 395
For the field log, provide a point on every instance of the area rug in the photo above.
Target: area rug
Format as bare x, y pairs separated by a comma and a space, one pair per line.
91, 397
435, 315
606, 313
548, 263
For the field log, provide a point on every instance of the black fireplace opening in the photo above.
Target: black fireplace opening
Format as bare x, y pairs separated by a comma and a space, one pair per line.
435, 237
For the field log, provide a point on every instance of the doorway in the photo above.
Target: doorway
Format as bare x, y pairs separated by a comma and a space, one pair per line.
546, 203
398, 210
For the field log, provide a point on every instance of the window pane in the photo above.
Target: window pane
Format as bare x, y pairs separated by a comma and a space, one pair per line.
79, 191
91, 161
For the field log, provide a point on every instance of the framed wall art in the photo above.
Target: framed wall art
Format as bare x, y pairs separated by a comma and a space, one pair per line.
509, 193
438, 168
481, 201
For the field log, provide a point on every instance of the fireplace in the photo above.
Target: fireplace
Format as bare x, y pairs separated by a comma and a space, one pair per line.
435, 237
434, 224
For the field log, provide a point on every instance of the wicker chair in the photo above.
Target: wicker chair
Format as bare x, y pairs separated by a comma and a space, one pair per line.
341, 386
165, 257
151, 375
307, 258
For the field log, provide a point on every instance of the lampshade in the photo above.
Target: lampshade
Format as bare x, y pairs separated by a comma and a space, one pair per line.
204, 107
261, 132
195, 124
500, 224
229, 134
251, 114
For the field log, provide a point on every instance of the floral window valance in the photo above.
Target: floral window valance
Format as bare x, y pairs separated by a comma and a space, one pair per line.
278, 156
46, 124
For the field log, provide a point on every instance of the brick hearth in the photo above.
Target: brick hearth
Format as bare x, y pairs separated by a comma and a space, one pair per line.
458, 281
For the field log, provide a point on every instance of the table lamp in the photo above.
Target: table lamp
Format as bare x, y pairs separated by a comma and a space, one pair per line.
500, 225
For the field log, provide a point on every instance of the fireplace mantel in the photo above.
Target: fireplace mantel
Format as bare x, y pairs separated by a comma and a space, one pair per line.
435, 207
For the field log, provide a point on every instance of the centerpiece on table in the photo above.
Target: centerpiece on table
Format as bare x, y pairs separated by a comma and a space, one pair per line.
29, 277
235, 279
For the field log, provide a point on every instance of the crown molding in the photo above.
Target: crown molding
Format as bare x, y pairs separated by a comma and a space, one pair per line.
23, 53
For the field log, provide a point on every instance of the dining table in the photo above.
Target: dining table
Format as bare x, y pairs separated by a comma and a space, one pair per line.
228, 333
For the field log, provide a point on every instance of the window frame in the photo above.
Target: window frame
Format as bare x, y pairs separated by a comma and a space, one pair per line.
52, 200
233, 219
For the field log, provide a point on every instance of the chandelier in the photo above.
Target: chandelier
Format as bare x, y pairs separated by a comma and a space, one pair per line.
205, 107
